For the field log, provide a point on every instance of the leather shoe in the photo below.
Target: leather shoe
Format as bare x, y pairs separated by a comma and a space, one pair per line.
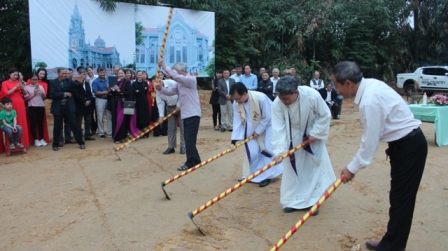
70, 142
182, 150
82, 147
264, 183
289, 209
90, 138
223, 129
372, 245
168, 151
61, 144
55, 148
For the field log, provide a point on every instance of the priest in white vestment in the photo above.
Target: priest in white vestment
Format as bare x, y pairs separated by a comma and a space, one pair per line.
252, 116
298, 113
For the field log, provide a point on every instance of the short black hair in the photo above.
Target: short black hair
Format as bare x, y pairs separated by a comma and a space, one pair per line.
79, 68
101, 69
239, 88
6, 100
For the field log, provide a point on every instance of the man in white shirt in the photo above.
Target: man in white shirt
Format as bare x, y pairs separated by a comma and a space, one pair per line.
237, 75
316, 83
386, 117
275, 77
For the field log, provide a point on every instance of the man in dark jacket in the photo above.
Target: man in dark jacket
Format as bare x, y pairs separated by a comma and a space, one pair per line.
83, 100
331, 98
63, 106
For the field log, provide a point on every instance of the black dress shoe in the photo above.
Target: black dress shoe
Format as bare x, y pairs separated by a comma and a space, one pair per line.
61, 144
372, 245
55, 148
70, 142
82, 147
90, 138
168, 151
289, 209
182, 150
315, 212
264, 183
223, 129
183, 168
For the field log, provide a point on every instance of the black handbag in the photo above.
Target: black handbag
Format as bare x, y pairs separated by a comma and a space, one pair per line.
129, 107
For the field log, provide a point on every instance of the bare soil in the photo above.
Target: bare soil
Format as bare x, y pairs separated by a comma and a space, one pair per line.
90, 200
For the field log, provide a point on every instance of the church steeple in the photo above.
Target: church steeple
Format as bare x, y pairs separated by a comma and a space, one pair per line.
76, 31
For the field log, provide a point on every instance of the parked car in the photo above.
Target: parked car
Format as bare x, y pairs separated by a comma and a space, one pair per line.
427, 79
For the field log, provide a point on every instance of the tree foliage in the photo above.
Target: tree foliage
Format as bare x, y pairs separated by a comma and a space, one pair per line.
309, 34
15, 47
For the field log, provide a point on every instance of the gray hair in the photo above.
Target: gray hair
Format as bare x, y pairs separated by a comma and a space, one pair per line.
347, 70
180, 66
286, 85
276, 69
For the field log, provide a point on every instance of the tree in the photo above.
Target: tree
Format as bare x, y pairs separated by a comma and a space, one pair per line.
15, 47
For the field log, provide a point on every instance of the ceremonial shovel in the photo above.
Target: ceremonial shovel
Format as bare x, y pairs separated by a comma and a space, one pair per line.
308, 214
141, 134
241, 183
201, 165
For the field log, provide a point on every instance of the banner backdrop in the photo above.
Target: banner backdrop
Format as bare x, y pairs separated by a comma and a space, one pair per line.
73, 33
190, 38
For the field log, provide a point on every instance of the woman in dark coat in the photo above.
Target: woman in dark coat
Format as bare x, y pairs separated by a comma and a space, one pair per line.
122, 123
214, 100
141, 102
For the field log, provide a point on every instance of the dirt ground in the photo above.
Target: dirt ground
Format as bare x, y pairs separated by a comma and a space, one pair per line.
89, 200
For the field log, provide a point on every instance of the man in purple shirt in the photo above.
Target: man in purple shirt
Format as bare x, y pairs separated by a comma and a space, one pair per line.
186, 87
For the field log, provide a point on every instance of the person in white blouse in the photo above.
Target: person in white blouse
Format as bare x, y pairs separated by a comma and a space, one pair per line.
386, 117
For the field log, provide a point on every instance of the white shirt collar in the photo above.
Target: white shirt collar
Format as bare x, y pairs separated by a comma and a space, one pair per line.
359, 92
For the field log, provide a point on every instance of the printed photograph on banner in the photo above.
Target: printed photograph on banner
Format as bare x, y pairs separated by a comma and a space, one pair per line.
191, 39
73, 33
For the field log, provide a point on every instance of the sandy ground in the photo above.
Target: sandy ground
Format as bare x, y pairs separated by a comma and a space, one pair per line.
89, 200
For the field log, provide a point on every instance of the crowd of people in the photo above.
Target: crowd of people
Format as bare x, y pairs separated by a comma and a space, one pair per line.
276, 113
221, 100
83, 106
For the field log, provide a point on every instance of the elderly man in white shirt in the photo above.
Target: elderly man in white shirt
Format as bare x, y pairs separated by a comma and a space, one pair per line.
275, 77
316, 83
386, 117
